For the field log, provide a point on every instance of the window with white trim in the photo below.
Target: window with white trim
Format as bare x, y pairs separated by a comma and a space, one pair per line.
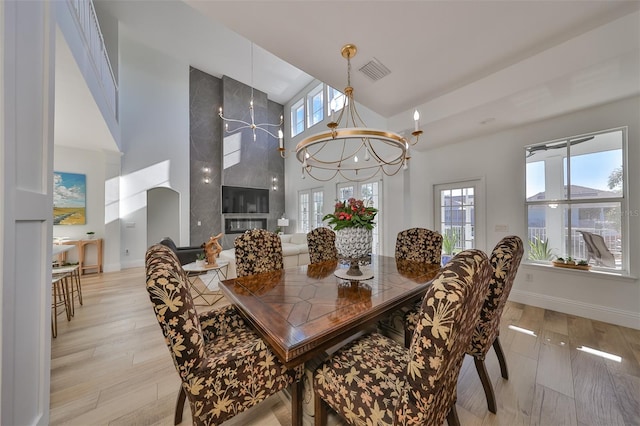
335, 101
575, 199
297, 118
315, 106
310, 209
317, 195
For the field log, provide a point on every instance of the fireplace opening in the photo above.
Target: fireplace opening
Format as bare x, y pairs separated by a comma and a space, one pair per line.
238, 225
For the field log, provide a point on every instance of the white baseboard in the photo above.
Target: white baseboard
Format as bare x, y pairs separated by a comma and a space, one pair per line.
133, 264
596, 312
112, 267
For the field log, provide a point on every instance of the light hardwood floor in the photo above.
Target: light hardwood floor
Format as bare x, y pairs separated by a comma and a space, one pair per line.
109, 365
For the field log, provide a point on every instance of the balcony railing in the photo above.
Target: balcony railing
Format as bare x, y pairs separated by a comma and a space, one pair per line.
576, 242
85, 16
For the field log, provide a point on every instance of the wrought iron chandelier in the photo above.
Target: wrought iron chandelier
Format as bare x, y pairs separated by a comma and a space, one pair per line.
355, 152
241, 124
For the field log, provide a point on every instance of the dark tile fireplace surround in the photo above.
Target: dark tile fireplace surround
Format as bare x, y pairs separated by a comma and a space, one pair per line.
259, 162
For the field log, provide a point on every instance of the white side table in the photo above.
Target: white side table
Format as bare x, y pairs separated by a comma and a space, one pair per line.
208, 276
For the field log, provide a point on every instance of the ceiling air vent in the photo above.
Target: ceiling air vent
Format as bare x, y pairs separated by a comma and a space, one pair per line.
375, 70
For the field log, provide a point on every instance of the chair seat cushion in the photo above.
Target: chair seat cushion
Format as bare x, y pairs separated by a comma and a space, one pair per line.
240, 371
368, 370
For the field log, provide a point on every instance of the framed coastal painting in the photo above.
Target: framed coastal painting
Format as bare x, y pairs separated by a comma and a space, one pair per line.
69, 198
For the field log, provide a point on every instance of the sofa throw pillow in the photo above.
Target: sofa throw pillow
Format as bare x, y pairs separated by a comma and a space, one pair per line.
299, 238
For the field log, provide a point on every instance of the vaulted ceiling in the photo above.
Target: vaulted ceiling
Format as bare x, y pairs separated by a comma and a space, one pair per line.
470, 67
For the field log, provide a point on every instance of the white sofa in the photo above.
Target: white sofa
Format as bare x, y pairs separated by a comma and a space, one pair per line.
294, 252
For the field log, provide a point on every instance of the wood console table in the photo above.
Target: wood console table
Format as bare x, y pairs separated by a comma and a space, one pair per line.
81, 246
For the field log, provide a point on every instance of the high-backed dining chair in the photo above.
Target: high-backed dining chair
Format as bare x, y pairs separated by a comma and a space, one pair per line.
322, 245
225, 368
258, 250
377, 379
505, 260
597, 250
419, 244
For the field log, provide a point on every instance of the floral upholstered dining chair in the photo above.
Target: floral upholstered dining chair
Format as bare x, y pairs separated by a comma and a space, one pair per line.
505, 260
225, 367
258, 250
377, 379
322, 245
419, 244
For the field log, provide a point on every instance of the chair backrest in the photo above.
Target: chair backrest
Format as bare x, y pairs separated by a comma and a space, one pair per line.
169, 293
505, 260
258, 250
602, 254
419, 244
592, 252
448, 317
322, 245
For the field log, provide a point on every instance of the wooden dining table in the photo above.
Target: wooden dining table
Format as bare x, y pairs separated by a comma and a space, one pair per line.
305, 311
302, 311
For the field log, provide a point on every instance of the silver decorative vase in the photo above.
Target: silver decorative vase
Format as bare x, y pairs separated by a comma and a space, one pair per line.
354, 244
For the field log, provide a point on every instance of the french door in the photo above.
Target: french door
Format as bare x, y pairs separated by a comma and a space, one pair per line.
459, 212
310, 208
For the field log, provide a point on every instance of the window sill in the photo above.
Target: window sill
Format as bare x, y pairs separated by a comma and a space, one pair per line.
618, 275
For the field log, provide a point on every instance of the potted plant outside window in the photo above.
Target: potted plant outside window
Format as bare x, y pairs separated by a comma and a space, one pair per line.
539, 249
449, 241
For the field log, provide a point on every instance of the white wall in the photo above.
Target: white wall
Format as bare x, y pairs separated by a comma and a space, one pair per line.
154, 111
500, 159
91, 164
102, 171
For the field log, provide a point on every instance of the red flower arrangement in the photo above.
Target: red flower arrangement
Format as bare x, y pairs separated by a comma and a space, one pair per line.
352, 214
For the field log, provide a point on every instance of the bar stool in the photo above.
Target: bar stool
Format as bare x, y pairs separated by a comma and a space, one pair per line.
58, 300
72, 272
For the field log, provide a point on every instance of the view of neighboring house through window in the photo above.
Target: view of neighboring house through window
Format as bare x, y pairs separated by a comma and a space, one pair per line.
297, 118
456, 214
310, 209
315, 106
575, 199
369, 192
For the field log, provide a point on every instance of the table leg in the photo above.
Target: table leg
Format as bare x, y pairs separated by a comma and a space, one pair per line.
306, 417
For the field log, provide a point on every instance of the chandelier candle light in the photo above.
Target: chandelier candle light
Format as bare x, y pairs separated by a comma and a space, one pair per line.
340, 149
241, 124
